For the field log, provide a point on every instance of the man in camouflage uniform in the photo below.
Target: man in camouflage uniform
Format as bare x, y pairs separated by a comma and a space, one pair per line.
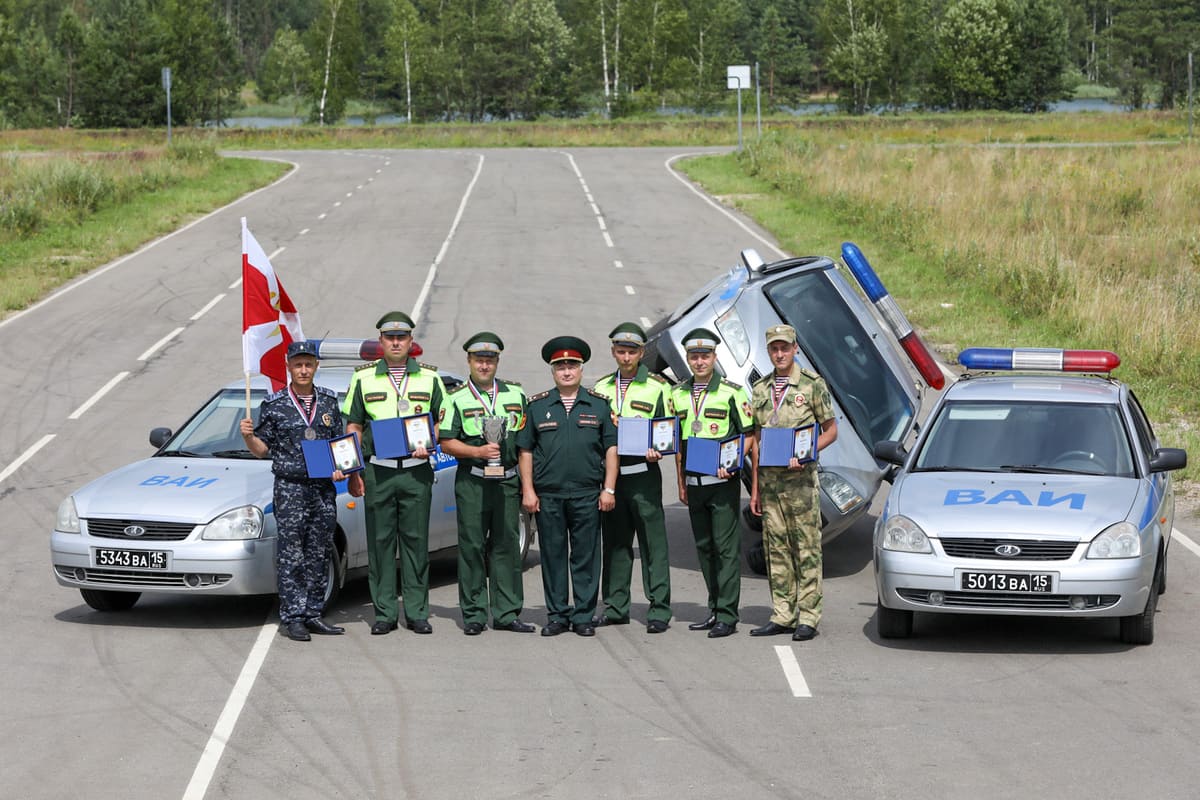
788, 497
632, 391
486, 490
305, 508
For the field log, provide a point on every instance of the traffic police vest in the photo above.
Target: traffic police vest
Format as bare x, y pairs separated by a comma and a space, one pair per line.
724, 410
372, 395
465, 413
648, 395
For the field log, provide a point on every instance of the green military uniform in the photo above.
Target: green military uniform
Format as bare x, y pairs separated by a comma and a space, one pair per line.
713, 503
398, 491
790, 499
568, 450
489, 508
639, 507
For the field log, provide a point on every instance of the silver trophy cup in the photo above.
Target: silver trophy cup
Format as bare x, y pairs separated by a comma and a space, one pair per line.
494, 430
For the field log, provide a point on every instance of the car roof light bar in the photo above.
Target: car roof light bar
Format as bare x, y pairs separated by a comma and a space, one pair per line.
877, 293
1038, 359
356, 349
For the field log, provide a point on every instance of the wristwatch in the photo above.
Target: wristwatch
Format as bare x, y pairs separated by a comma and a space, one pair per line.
610, 491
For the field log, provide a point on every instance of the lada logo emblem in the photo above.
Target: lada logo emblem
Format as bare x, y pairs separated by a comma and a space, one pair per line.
134, 530
1007, 550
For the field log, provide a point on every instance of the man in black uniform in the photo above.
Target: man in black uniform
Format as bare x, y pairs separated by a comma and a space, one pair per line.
305, 508
568, 466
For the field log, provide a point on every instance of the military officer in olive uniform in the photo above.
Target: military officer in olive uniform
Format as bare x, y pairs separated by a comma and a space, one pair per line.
398, 491
788, 497
710, 407
633, 392
568, 466
486, 489
305, 508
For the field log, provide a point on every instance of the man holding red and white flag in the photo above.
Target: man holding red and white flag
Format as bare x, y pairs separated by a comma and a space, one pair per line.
270, 321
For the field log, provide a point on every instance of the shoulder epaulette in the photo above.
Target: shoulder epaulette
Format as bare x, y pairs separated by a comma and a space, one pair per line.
276, 395
456, 389
597, 395
430, 367
731, 384
654, 376
539, 395
810, 374
769, 377
327, 392
513, 383
369, 364
610, 376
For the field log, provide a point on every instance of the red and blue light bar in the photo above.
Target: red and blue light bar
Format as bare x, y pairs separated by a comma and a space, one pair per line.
1038, 359
361, 349
877, 293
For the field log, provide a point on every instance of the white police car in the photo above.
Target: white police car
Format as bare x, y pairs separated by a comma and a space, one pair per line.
1041, 492
197, 516
874, 395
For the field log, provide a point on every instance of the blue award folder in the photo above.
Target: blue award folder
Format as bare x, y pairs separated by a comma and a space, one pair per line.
636, 435
389, 438
317, 458
706, 456
779, 445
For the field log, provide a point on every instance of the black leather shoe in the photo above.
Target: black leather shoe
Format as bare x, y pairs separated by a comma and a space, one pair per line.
296, 632
586, 629
473, 628
418, 625
656, 626
707, 625
804, 633
382, 626
770, 629
323, 628
599, 621
516, 626
555, 628
722, 629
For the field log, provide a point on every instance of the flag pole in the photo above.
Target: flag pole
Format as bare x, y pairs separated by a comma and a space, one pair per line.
248, 416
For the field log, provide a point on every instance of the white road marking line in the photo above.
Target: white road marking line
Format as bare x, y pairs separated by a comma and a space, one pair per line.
607, 239
595, 208
618, 265
629, 289
736, 221
28, 454
600, 220
207, 765
1185, 541
462, 207
321, 216
338, 203
645, 323
359, 186
91, 401
590, 199
146, 355
349, 194
379, 170
277, 251
208, 307
113, 265
236, 284
306, 230
791, 671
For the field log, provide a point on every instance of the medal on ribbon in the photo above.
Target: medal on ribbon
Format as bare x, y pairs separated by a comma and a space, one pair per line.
309, 432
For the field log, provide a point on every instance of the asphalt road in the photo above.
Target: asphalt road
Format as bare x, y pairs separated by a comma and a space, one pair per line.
201, 698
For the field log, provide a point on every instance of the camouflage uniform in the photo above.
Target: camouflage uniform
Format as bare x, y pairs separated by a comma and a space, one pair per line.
791, 501
305, 508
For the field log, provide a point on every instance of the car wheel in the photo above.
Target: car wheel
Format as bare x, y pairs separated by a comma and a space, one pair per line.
753, 522
756, 557
527, 530
103, 600
335, 575
893, 623
1139, 628
1162, 575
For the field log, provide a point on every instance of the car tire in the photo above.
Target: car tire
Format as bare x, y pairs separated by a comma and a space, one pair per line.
893, 623
1139, 628
1162, 575
527, 531
104, 600
335, 575
756, 558
752, 520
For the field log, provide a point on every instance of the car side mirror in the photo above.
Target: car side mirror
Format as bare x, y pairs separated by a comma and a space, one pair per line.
1166, 459
891, 451
159, 437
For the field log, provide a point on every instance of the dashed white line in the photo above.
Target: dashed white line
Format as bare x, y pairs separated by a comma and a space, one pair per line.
618, 265
146, 355
1185, 541
646, 322
236, 284
359, 186
91, 401
208, 307
207, 765
791, 671
337, 204
349, 194
28, 454
629, 289
600, 220
607, 239
595, 209
304, 231
321, 215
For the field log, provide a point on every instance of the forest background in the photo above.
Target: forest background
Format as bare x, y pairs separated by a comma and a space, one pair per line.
98, 63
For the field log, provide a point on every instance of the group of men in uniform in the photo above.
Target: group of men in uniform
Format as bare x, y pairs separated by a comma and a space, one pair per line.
555, 456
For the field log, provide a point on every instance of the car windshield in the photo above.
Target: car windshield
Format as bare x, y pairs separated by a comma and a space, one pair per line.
842, 352
1065, 438
213, 431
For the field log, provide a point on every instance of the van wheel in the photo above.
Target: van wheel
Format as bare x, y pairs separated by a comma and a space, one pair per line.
756, 557
335, 576
103, 600
1139, 628
893, 623
527, 530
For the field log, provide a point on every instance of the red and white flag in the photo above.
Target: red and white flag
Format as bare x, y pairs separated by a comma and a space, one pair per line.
270, 321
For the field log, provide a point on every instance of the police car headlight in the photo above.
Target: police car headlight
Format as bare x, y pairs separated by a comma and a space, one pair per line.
68, 518
733, 334
1116, 541
240, 523
839, 490
903, 535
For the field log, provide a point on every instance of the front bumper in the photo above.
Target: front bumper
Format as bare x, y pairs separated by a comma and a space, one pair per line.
192, 567
1104, 588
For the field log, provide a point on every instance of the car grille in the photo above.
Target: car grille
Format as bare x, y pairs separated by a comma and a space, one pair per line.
129, 577
154, 531
1031, 549
1009, 600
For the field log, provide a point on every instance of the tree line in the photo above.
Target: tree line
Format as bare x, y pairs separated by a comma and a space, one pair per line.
98, 63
